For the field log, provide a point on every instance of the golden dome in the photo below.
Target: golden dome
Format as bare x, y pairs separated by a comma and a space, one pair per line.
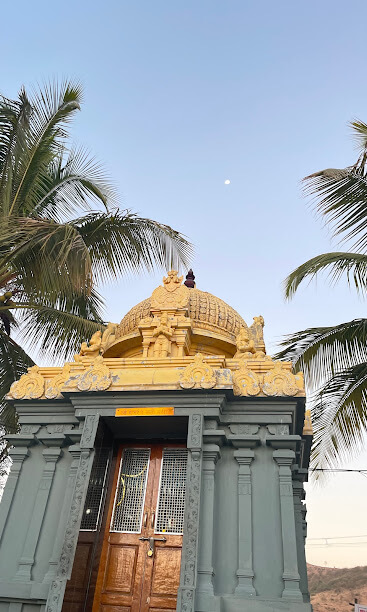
206, 311
187, 320
179, 338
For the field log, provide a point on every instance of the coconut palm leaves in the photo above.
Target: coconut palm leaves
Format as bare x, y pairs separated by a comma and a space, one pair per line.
61, 234
334, 359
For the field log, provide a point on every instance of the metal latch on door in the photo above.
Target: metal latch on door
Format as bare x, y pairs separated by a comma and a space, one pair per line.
151, 541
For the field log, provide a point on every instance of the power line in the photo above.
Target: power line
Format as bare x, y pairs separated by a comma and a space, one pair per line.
337, 470
339, 537
327, 542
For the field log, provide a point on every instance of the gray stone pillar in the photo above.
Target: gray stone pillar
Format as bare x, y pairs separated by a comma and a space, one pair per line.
291, 578
60, 534
65, 565
17, 454
186, 591
26, 561
211, 454
299, 511
245, 573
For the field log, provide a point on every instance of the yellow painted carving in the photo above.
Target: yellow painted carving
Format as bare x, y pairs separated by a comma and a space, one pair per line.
108, 337
173, 295
96, 378
94, 347
29, 386
279, 381
162, 336
307, 427
53, 390
257, 334
245, 381
198, 375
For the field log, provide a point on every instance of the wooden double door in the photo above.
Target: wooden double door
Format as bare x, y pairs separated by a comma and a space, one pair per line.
139, 569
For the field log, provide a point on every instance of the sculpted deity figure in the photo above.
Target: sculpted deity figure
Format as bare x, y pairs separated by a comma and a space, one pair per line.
245, 347
109, 335
94, 346
257, 333
163, 334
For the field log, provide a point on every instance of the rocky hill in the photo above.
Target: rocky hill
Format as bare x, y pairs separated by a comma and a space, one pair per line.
332, 589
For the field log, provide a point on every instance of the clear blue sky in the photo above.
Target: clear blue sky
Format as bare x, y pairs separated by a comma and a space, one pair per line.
180, 96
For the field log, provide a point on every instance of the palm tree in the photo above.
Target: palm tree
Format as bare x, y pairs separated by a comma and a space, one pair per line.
334, 359
54, 247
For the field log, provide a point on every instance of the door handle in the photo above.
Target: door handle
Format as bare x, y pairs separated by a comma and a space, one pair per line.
151, 541
145, 519
152, 519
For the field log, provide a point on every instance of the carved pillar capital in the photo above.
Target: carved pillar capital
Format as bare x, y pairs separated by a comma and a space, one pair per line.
244, 456
211, 454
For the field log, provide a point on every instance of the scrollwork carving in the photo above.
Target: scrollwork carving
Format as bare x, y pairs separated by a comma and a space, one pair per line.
96, 378
29, 386
279, 381
198, 375
53, 391
246, 382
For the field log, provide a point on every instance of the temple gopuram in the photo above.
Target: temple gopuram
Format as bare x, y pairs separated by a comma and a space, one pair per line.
162, 469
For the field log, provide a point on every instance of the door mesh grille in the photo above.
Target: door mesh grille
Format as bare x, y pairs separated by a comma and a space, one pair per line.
129, 501
171, 500
96, 485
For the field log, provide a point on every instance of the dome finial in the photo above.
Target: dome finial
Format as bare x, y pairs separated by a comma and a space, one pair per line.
190, 280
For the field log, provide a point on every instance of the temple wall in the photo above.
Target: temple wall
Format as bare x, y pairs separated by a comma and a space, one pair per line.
244, 517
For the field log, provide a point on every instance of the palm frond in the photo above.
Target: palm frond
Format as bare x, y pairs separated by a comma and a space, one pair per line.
58, 330
71, 184
353, 265
360, 133
339, 414
14, 128
323, 351
14, 362
44, 255
123, 242
53, 108
341, 199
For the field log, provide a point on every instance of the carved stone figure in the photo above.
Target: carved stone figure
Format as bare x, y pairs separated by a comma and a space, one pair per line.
163, 334
94, 347
257, 334
245, 346
109, 335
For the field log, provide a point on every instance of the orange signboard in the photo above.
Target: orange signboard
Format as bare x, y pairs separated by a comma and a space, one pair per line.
153, 411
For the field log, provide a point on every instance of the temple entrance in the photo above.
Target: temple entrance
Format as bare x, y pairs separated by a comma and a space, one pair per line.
139, 569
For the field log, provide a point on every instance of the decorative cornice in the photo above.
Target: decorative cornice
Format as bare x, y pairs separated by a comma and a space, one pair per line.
247, 377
